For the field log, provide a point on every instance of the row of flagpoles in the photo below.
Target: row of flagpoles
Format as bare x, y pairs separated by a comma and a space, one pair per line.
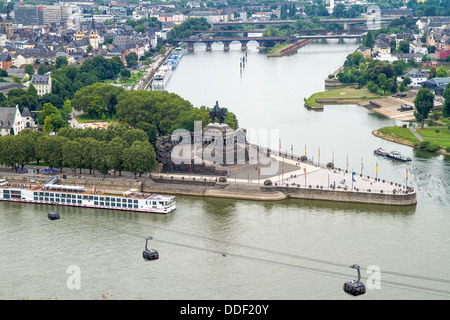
318, 162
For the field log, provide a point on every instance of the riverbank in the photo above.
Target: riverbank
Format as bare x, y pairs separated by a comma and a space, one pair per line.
285, 49
346, 95
390, 106
410, 137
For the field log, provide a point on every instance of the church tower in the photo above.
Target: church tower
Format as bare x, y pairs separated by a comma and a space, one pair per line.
93, 35
9, 30
79, 35
6, 26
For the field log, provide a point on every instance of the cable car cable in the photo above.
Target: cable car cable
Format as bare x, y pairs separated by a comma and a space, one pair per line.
296, 266
421, 277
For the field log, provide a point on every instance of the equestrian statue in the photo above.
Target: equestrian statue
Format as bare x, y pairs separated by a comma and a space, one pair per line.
219, 113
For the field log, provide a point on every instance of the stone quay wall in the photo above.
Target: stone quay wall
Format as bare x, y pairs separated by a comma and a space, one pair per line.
207, 187
314, 193
212, 188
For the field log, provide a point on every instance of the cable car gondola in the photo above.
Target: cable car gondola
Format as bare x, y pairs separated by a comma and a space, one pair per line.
150, 254
355, 287
54, 215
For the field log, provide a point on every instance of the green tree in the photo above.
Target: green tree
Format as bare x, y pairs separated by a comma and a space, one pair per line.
108, 93
66, 110
32, 91
132, 135
369, 40
51, 118
9, 151
423, 103
441, 71
61, 61
72, 156
140, 158
95, 106
29, 70
382, 82
101, 163
89, 152
115, 153
125, 73
24, 149
403, 46
433, 73
50, 149
131, 59
446, 106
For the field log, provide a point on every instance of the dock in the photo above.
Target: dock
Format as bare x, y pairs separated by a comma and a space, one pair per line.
396, 107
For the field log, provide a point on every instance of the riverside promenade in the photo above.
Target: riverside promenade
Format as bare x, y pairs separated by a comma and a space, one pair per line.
293, 179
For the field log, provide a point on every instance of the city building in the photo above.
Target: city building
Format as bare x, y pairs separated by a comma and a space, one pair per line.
5, 60
417, 76
42, 83
29, 15
10, 120
40, 15
27, 118
366, 51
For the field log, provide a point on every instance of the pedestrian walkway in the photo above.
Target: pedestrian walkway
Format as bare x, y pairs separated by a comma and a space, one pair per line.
414, 132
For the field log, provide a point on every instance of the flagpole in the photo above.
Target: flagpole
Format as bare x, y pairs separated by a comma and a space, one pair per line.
376, 176
304, 169
407, 177
318, 161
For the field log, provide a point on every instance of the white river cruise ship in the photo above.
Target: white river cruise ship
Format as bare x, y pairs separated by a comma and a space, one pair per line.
52, 193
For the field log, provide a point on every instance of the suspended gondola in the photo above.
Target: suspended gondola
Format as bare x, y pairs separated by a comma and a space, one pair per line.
149, 254
54, 215
355, 287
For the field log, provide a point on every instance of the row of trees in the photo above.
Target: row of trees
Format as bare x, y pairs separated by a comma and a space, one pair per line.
130, 151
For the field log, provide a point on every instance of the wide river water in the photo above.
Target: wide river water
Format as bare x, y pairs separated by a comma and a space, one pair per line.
233, 249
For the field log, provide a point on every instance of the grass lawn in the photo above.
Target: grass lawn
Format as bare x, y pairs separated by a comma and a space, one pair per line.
129, 81
400, 134
403, 135
429, 133
86, 118
276, 50
362, 94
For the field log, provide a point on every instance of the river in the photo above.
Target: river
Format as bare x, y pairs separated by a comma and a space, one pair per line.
233, 249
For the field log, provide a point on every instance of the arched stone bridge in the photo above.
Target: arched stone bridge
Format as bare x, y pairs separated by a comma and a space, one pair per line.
261, 40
